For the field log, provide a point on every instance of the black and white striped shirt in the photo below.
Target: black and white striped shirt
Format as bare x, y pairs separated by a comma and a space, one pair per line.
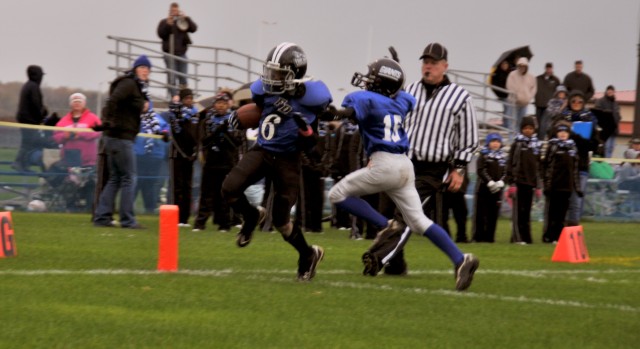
442, 128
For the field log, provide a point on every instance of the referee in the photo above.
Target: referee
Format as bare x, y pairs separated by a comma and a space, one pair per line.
443, 135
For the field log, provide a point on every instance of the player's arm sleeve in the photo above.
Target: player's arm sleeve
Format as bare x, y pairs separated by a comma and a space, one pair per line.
333, 114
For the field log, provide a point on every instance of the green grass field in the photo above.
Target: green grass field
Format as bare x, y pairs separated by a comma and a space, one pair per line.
76, 286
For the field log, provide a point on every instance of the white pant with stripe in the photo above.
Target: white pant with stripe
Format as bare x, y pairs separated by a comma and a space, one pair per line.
392, 174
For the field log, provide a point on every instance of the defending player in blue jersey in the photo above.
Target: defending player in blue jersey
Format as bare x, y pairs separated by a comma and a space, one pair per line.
380, 111
289, 107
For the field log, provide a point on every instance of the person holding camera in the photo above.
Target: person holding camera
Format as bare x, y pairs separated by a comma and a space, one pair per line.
219, 144
174, 32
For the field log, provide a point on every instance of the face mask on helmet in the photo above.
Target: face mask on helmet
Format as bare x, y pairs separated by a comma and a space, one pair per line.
385, 77
284, 69
277, 80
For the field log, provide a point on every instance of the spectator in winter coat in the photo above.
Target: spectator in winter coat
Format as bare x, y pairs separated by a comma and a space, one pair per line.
183, 119
523, 85
219, 144
151, 157
586, 142
499, 79
546, 88
121, 123
553, 112
522, 172
560, 179
174, 32
491, 169
578, 80
31, 111
83, 144
629, 173
608, 104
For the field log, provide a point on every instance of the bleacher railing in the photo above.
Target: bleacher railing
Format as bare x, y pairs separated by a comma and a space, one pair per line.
209, 67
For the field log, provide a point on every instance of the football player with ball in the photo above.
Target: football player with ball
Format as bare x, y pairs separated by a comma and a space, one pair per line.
287, 105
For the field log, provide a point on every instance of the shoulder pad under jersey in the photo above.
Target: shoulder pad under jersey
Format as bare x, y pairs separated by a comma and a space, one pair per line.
256, 88
317, 94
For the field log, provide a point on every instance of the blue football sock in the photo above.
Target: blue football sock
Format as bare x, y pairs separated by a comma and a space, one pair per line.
362, 209
441, 239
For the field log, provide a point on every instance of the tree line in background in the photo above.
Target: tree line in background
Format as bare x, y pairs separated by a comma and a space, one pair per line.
56, 99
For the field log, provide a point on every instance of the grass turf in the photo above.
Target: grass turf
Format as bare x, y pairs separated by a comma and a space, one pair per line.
76, 286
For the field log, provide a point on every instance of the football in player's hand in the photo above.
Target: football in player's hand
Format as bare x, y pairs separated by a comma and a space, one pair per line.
249, 115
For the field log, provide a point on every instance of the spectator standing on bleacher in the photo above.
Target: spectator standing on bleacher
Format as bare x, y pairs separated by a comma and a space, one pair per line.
523, 86
151, 156
82, 143
31, 111
522, 172
546, 88
499, 79
587, 140
579, 80
608, 104
121, 123
491, 169
553, 112
174, 32
560, 179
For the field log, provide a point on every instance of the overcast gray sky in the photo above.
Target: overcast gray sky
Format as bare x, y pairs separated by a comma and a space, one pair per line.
68, 37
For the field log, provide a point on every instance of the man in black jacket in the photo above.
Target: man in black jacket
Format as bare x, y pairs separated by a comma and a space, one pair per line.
174, 32
547, 83
121, 122
579, 80
31, 111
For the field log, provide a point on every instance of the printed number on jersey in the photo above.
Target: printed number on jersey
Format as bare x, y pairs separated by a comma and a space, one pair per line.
392, 124
268, 127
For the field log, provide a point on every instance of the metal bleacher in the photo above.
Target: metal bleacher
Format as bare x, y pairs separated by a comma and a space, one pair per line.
209, 68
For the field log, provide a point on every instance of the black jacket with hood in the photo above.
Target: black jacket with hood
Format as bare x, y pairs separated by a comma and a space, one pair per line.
121, 115
31, 110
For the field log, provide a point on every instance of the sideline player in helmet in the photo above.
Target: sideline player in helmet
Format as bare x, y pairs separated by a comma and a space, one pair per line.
379, 111
289, 105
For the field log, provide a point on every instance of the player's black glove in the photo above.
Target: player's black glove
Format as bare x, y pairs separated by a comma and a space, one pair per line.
300, 121
580, 193
329, 114
165, 137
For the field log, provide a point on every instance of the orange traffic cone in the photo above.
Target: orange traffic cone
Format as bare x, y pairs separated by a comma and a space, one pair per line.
7, 243
168, 238
571, 246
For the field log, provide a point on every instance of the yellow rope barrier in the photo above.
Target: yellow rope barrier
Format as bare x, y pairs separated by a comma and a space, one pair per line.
67, 129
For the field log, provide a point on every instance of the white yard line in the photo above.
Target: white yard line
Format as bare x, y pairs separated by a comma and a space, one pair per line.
268, 275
